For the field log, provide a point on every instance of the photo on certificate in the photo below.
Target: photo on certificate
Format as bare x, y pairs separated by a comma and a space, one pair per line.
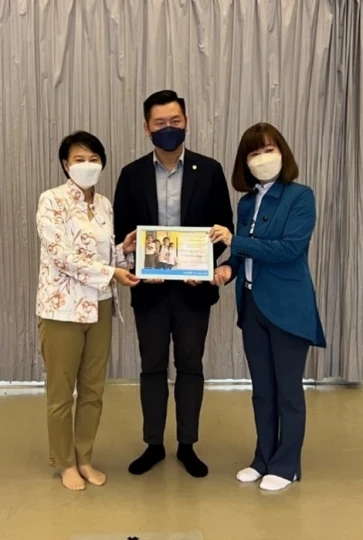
174, 253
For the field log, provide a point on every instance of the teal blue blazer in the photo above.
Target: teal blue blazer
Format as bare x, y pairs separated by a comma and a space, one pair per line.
282, 286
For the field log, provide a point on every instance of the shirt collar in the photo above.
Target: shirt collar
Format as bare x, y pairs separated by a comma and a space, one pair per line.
263, 189
75, 193
180, 160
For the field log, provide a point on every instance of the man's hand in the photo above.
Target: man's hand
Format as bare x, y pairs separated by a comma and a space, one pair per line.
153, 281
125, 278
129, 244
192, 282
221, 234
222, 275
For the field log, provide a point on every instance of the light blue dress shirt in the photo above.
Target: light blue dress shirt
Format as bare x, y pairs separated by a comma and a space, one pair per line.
168, 187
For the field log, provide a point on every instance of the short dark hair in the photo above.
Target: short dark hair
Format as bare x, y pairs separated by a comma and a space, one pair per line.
163, 97
253, 139
84, 139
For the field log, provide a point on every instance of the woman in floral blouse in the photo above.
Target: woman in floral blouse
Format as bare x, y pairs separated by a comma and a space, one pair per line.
77, 294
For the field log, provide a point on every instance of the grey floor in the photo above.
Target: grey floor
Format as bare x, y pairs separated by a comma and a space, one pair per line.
327, 504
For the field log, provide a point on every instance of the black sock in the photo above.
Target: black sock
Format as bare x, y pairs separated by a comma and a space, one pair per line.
191, 462
152, 455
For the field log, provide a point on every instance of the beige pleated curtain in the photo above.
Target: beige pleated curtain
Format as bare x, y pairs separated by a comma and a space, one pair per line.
89, 64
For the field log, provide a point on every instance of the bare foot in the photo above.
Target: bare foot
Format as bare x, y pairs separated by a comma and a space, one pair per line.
72, 480
96, 478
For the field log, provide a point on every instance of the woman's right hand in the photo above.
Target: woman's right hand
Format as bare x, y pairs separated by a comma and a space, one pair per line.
125, 278
222, 275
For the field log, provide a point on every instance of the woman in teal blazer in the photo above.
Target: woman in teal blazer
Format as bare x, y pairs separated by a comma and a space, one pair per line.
276, 302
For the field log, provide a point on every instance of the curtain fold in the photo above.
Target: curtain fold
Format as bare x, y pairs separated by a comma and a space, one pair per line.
89, 64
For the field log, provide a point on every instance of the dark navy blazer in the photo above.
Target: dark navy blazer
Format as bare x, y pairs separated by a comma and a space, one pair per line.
282, 284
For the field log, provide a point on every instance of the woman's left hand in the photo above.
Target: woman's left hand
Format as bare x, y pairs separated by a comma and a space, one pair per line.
129, 244
221, 234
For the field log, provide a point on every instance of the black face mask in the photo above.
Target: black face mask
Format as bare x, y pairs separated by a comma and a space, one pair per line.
168, 138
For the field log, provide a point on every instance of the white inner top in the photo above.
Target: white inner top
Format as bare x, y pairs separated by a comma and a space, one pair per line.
262, 190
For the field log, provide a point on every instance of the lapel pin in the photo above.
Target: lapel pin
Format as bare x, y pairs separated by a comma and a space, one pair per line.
194, 167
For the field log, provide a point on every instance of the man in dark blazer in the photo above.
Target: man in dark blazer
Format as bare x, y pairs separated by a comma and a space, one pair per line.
171, 187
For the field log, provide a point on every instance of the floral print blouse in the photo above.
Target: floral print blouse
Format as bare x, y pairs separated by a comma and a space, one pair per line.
71, 279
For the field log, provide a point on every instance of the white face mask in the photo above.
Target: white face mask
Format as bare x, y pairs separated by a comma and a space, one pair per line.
86, 174
266, 167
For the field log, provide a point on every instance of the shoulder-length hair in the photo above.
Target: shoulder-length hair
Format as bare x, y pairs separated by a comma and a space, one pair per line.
255, 138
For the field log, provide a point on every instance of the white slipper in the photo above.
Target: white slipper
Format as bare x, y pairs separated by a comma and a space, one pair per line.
248, 475
270, 482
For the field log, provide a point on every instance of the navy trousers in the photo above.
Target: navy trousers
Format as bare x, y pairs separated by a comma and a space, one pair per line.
276, 360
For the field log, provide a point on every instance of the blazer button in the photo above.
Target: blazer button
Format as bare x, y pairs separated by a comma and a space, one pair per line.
265, 218
245, 223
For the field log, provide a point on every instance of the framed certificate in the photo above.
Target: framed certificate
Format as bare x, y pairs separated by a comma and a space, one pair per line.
174, 253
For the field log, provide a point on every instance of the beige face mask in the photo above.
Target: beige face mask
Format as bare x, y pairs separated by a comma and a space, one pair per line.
266, 166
